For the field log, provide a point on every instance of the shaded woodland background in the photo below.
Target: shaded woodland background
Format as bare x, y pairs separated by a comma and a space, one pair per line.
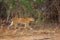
45, 12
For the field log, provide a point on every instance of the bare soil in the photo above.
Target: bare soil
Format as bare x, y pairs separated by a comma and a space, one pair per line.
23, 34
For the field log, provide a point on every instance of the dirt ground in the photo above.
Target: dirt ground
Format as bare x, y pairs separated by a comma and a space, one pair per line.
31, 35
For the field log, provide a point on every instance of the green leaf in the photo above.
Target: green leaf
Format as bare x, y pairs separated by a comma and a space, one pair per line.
12, 4
26, 4
1, 0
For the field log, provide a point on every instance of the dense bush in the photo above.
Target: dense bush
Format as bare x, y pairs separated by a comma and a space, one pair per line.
39, 9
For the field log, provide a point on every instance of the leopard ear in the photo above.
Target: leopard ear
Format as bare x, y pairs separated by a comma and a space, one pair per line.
31, 19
